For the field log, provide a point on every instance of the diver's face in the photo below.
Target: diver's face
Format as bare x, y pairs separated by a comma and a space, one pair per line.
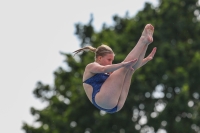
106, 60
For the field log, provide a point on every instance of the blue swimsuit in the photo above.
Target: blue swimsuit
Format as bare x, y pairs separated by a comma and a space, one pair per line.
96, 82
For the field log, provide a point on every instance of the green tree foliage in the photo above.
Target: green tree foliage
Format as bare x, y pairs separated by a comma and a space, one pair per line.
164, 94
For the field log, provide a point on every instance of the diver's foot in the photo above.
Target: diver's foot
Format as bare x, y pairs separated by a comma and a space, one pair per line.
147, 34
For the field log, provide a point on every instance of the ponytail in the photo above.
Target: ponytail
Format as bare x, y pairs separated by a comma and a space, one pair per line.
100, 51
87, 48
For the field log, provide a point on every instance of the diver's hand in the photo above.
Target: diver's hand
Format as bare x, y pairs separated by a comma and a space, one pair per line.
130, 64
149, 57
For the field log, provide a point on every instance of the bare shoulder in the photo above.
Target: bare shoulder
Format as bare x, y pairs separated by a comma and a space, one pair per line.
90, 65
94, 68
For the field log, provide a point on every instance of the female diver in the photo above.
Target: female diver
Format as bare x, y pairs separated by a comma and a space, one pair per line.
106, 84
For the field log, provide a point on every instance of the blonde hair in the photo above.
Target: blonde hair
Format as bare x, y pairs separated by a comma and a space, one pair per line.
99, 51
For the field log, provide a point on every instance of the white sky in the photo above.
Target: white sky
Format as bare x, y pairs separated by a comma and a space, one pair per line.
32, 32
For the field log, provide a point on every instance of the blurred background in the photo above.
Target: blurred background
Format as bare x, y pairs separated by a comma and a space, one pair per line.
41, 82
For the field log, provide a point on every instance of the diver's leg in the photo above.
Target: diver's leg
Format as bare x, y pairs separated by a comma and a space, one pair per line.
125, 89
127, 80
110, 91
